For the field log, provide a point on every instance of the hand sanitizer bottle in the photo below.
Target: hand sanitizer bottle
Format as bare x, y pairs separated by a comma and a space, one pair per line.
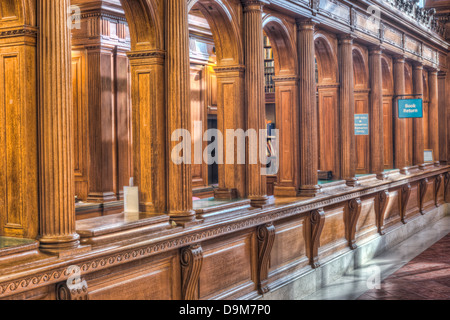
131, 198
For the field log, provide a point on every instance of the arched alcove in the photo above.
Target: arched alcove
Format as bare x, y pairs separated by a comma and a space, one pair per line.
328, 102
217, 88
388, 127
280, 35
361, 94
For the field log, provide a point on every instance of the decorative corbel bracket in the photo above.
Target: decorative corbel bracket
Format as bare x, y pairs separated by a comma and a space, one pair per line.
317, 222
191, 265
382, 204
266, 238
437, 187
78, 291
423, 191
406, 194
354, 211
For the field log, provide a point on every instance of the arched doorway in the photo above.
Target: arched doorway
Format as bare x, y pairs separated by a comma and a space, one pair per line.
328, 102
217, 90
282, 103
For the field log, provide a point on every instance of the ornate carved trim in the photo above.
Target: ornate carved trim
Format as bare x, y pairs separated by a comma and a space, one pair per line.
437, 187
17, 32
317, 222
78, 292
423, 187
382, 204
146, 54
406, 193
266, 238
354, 211
191, 265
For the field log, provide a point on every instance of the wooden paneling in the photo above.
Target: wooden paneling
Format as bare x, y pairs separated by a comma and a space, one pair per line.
155, 280
388, 137
228, 268
329, 131
18, 144
289, 248
80, 124
392, 216
333, 238
412, 208
366, 225
198, 115
362, 142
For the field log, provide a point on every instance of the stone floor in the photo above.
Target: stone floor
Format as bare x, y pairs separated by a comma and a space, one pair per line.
416, 269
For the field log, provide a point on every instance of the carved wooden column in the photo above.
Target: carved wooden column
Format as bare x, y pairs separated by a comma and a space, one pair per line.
308, 164
433, 115
376, 114
149, 125
255, 97
399, 124
57, 207
418, 143
347, 111
230, 115
443, 139
102, 140
178, 108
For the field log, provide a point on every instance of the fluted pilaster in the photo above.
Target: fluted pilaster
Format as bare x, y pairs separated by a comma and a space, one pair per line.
418, 143
309, 148
57, 205
178, 107
433, 114
376, 113
399, 124
255, 95
347, 110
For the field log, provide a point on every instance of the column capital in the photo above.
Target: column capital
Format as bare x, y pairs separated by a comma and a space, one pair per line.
398, 58
253, 5
417, 65
433, 72
376, 50
442, 74
306, 24
346, 38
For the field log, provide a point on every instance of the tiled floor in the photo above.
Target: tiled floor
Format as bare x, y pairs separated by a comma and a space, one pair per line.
425, 276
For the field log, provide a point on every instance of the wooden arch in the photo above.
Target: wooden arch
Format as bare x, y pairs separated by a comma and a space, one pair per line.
387, 75
360, 67
282, 43
225, 30
145, 26
326, 57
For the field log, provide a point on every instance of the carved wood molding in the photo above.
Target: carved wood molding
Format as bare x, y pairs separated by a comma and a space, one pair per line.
266, 238
78, 292
423, 191
437, 187
317, 222
191, 265
354, 211
382, 204
406, 193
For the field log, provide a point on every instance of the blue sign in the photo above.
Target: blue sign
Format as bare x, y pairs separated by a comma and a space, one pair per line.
362, 124
410, 108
